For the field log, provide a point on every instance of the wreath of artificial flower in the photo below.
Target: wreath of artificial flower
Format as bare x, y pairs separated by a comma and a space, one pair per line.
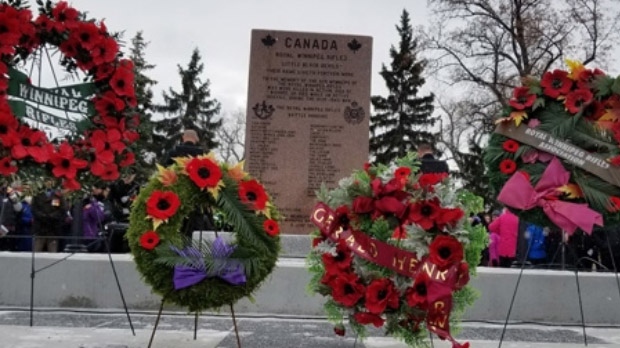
212, 273
394, 250
554, 157
109, 128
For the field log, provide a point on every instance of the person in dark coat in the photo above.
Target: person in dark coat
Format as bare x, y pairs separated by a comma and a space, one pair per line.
122, 194
197, 220
429, 164
188, 147
50, 213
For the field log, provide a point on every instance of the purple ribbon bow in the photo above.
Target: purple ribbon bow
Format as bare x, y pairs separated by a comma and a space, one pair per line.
186, 276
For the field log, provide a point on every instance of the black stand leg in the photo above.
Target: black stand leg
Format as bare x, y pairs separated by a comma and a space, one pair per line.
583, 320
118, 283
232, 311
613, 262
196, 326
430, 337
355, 342
161, 309
514, 295
32, 273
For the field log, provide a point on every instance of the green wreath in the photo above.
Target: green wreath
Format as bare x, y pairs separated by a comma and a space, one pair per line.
563, 127
208, 274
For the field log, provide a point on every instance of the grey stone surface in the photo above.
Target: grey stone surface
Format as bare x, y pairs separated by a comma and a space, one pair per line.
543, 295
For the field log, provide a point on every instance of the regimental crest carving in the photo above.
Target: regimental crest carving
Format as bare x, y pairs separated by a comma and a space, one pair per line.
354, 45
263, 111
269, 40
354, 114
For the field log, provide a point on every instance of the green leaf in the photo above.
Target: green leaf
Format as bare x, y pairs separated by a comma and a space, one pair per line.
615, 87
539, 103
603, 84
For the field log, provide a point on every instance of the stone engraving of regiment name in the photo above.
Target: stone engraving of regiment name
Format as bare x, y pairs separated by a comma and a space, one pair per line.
307, 115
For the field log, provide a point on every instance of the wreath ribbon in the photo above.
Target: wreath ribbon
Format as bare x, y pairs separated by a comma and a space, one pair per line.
518, 193
441, 282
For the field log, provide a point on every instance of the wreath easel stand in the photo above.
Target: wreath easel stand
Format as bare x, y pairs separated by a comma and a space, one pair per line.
197, 314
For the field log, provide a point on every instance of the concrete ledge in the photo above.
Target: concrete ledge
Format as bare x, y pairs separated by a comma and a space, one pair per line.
87, 281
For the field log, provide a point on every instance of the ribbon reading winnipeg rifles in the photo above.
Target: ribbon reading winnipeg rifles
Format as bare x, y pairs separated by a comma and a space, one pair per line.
441, 282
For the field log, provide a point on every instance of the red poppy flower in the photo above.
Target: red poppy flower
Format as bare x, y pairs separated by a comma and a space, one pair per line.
417, 294
128, 159
427, 180
347, 290
381, 294
594, 110
109, 172
203, 172
104, 71
341, 261
252, 192
522, 98
445, 251
614, 204
108, 104
64, 162
122, 82
339, 330
424, 213
106, 51
8, 128
65, 14
507, 166
342, 218
402, 174
71, 184
149, 240
271, 227
576, 99
69, 48
556, 83
162, 204
31, 143
110, 140
449, 217
510, 146
363, 205
366, 318
587, 77
7, 166
87, 34
399, 232
10, 34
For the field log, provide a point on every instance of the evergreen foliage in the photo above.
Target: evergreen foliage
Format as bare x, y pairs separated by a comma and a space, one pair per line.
401, 119
190, 108
144, 96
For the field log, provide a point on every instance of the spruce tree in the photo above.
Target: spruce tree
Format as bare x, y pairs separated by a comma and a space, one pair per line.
144, 97
402, 119
191, 108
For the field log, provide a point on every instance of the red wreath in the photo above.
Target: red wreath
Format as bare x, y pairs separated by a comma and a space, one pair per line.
103, 149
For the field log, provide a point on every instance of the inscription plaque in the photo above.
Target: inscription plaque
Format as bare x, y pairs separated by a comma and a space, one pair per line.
307, 115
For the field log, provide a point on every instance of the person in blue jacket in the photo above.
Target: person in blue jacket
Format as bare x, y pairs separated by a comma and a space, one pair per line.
536, 236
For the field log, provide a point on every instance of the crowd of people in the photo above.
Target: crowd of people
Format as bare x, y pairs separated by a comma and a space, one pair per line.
59, 222
515, 243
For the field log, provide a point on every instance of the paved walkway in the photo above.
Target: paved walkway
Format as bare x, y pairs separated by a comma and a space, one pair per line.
81, 330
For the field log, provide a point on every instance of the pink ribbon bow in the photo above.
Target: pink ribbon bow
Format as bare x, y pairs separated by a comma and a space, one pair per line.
518, 193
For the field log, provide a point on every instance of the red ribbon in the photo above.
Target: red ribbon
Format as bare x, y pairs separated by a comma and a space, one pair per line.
441, 282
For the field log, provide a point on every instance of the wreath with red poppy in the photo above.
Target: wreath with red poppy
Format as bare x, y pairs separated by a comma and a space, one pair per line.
173, 195
101, 143
557, 144
394, 250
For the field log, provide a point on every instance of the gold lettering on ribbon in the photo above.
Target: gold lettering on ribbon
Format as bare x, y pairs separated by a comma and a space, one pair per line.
400, 262
373, 249
439, 305
339, 232
440, 322
428, 271
319, 218
441, 275
413, 265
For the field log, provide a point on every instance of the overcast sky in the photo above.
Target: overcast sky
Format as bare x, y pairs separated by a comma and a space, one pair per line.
222, 29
